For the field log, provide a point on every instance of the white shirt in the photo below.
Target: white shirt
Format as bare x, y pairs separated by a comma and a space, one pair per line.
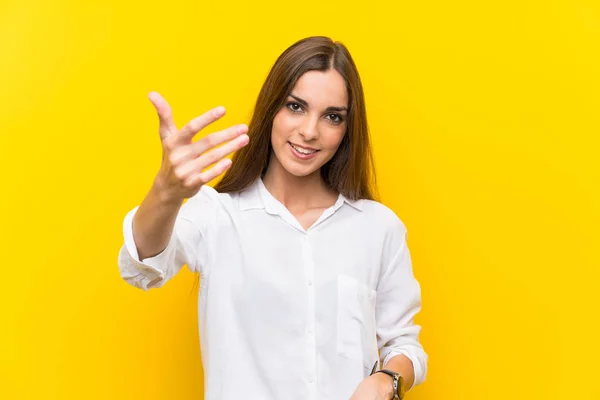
284, 312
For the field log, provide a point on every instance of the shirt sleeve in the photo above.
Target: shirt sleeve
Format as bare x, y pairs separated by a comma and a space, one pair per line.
398, 301
194, 225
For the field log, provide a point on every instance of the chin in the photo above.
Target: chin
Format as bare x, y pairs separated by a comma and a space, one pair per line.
298, 170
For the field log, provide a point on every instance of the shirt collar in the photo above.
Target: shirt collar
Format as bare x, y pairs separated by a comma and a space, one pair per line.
258, 197
250, 198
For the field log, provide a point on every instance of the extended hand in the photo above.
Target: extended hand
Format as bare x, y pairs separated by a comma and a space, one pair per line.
185, 164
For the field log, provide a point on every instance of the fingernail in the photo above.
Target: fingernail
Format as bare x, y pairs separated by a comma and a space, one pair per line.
219, 110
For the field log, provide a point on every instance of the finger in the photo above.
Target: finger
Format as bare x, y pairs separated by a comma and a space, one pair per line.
213, 156
181, 154
215, 139
167, 125
218, 153
209, 174
197, 124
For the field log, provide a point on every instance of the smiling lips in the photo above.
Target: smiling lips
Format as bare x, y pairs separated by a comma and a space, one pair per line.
303, 150
302, 153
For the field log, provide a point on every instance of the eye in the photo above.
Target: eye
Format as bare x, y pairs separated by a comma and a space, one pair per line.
336, 118
292, 106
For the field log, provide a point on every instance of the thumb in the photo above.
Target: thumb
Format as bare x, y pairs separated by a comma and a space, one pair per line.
167, 125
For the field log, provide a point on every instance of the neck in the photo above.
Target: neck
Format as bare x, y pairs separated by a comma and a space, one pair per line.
298, 192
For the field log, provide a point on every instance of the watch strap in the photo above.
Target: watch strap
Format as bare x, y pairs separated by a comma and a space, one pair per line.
397, 381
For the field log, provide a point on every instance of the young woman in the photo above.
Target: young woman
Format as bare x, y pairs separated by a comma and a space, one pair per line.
306, 282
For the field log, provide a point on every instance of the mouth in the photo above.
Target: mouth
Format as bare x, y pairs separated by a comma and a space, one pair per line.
303, 150
302, 153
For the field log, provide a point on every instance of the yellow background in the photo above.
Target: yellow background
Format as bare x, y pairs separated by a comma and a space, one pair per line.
485, 119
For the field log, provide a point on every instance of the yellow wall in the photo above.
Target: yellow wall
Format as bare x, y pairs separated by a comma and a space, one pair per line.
485, 120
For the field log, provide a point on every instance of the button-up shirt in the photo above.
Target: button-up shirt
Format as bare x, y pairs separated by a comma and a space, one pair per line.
287, 312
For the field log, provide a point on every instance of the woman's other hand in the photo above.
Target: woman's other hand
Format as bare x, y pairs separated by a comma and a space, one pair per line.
374, 387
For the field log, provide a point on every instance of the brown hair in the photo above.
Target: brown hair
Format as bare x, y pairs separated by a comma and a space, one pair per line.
351, 170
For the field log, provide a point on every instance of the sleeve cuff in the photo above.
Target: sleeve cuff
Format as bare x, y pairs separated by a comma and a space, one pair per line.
415, 360
146, 273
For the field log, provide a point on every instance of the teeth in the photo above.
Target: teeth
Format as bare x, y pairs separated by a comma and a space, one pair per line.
303, 151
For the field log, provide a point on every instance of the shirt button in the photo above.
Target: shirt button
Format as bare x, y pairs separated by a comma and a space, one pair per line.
310, 282
310, 331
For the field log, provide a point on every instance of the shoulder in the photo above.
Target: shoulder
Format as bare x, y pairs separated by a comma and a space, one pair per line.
205, 203
392, 232
383, 217
208, 194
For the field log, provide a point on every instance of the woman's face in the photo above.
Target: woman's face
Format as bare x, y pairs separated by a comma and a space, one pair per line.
309, 128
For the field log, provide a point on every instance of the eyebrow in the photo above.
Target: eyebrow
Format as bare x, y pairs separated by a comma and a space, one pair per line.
330, 108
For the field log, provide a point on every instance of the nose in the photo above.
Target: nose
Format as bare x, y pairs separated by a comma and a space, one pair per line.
309, 129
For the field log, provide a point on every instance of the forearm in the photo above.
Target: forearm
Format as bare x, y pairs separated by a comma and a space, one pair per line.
402, 365
154, 221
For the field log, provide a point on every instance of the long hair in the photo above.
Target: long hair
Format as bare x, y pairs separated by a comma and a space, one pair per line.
351, 170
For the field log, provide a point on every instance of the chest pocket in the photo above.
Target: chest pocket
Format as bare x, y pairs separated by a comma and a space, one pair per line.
356, 325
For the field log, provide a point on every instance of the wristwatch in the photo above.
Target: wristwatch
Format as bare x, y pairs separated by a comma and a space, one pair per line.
398, 383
